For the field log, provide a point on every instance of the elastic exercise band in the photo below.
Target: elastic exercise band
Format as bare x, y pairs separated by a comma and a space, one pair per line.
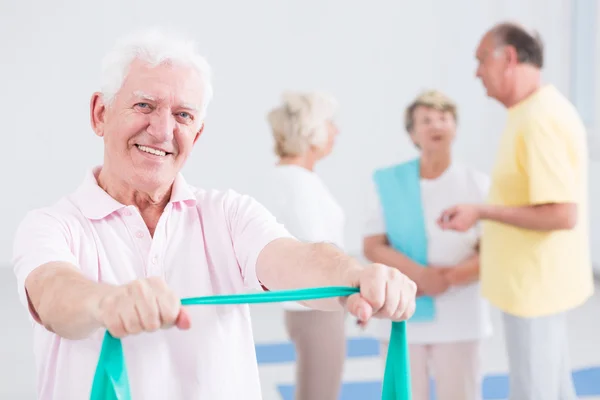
111, 381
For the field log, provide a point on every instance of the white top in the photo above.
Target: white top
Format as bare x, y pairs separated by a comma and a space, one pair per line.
461, 313
206, 243
300, 201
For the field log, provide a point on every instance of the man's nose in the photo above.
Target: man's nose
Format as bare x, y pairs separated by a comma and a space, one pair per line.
162, 124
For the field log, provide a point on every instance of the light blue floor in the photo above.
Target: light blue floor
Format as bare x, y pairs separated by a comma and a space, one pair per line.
495, 386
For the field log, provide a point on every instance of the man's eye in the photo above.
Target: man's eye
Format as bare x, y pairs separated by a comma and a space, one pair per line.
144, 106
185, 115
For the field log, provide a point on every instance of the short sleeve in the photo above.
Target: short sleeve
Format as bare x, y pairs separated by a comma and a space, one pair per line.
302, 217
483, 183
548, 156
252, 228
40, 238
374, 223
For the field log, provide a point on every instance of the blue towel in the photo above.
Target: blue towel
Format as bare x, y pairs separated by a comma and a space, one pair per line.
399, 190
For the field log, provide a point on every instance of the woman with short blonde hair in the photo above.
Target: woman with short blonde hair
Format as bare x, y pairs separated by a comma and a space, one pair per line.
402, 231
433, 100
304, 133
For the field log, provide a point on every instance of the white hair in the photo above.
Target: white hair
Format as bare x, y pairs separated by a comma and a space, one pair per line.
154, 47
301, 122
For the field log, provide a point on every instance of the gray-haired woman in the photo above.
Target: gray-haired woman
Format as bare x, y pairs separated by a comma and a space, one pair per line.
304, 133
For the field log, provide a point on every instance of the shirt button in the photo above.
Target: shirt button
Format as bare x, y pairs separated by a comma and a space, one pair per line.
154, 260
127, 213
139, 234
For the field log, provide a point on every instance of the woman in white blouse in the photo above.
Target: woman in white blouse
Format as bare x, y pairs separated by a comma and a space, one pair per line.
451, 319
304, 132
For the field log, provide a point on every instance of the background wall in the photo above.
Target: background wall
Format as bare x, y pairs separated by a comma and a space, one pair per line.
374, 58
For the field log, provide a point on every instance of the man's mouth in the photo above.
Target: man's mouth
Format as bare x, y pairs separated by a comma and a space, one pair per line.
156, 152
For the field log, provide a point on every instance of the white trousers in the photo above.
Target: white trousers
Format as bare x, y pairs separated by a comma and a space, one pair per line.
538, 358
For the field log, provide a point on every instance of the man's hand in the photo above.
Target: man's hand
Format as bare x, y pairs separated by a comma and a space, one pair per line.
384, 293
460, 218
432, 281
141, 306
538, 217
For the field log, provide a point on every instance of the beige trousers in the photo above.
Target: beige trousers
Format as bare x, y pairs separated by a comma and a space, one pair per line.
320, 343
455, 368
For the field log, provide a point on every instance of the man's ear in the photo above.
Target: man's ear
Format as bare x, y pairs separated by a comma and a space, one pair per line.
511, 55
97, 113
199, 132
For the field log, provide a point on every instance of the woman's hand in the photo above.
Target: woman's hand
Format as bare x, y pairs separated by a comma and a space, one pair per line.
431, 282
461, 275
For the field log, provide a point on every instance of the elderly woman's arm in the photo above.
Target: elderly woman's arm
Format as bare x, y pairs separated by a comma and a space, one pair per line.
376, 248
430, 281
465, 273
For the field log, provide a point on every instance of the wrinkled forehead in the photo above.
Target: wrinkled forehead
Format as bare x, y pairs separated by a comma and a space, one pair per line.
165, 83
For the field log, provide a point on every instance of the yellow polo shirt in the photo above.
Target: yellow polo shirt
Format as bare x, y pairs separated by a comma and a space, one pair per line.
542, 158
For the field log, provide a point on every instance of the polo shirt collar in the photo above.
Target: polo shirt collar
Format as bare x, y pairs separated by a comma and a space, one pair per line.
96, 204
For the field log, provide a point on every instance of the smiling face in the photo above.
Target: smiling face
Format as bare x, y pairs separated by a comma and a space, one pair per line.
151, 125
433, 130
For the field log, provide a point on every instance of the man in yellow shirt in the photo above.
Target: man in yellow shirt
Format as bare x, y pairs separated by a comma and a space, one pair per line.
535, 258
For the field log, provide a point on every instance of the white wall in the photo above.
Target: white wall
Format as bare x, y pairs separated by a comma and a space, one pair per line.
373, 57
595, 142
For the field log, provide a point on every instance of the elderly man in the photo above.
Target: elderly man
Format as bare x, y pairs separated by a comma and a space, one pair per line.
535, 259
134, 238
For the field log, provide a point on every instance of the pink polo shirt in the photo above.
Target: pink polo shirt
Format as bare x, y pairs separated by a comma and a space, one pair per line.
206, 243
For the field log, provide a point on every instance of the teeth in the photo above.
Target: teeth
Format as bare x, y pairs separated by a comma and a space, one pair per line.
152, 151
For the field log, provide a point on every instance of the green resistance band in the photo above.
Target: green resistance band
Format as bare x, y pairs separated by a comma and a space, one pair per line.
111, 381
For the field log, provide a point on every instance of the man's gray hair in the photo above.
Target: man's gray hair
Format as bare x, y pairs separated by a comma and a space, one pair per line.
154, 47
528, 44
